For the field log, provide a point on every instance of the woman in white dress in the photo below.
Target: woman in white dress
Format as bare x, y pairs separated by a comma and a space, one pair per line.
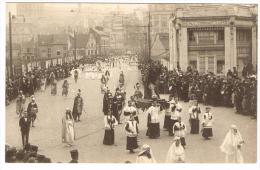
68, 131
176, 153
231, 146
146, 155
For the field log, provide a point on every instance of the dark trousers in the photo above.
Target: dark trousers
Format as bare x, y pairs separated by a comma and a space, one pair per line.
25, 137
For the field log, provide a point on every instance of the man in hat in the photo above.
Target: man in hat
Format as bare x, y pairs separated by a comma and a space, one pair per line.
32, 110
74, 156
24, 123
207, 121
153, 120
77, 107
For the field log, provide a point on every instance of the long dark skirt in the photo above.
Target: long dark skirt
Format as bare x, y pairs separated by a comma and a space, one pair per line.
207, 132
109, 137
167, 120
195, 126
153, 130
183, 142
131, 143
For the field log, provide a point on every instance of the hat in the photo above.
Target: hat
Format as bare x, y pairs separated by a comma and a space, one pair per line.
144, 148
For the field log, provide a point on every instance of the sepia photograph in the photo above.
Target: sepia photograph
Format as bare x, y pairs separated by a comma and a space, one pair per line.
92, 82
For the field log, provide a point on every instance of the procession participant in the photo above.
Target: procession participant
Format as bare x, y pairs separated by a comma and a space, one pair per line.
43, 82
146, 155
76, 75
30, 88
103, 84
54, 87
176, 152
130, 110
107, 75
207, 121
138, 94
77, 107
122, 78
194, 112
25, 123
167, 117
74, 156
65, 88
110, 123
68, 130
107, 102
117, 105
131, 129
179, 130
231, 146
175, 114
20, 103
32, 110
153, 124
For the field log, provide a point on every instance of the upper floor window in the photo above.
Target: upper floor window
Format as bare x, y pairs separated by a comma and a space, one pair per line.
58, 52
191, 36
221, 35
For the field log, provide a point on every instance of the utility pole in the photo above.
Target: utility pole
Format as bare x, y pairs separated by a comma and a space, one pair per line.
75, 46
149, 34
10, 45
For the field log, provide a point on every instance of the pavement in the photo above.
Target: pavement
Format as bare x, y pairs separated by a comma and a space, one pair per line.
90, 131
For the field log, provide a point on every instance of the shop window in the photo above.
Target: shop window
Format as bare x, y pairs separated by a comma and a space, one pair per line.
220, 66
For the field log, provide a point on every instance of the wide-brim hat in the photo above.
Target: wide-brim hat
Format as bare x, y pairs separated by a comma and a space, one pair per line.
144, 148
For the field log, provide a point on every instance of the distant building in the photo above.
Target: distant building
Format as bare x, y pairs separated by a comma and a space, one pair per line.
213, 37
159, 19
92, 44
53, 49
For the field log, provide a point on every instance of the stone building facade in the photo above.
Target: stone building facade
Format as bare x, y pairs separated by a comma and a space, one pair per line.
213, 37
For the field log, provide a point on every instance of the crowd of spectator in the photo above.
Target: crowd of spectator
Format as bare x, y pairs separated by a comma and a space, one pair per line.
32, 80
230, 90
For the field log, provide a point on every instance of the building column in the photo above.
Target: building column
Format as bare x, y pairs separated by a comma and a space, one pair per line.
230, 48
183, 48
254, 47
172, 46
